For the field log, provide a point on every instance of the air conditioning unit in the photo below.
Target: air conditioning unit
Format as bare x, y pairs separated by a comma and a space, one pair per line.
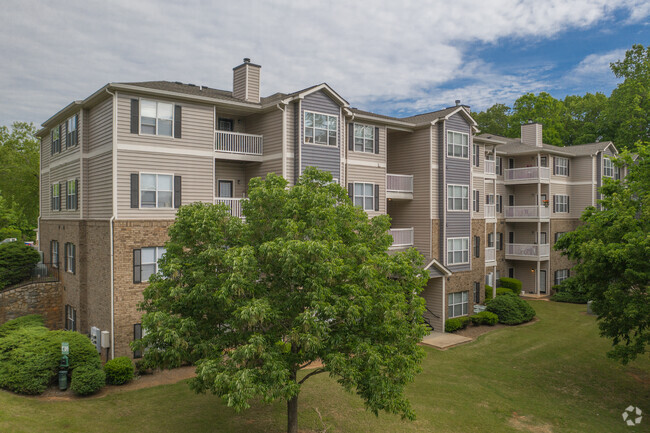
96, 337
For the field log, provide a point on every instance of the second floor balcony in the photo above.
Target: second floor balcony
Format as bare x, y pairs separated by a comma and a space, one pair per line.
238, 146
490, 256
527, 175
402, 238
490, 166
233, 204
527, 213
528, 251
490, 211
399, 186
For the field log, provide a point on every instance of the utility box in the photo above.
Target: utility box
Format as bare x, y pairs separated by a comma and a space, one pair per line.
96, 338
105, 340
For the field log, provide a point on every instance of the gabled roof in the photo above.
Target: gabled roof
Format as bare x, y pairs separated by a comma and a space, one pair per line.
440, 114
514, 146
187, 89
437, 269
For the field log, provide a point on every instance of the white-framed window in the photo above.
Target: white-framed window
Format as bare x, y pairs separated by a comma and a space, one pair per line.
70, 258
608, 167
561, 203
71, 197
457, 197
476, 156
56, 196
321, 128
156, 118
561, 275
156, 190
54, 253
70, 318
71, 129
457, 144
56, 139
490, 240
364, 138
149, 263
499, 165
457, 251
558, 235
364, 195
457, 304
489, 198
476, 200
561, 167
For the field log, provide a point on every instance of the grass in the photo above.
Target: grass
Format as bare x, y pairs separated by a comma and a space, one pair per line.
549, 376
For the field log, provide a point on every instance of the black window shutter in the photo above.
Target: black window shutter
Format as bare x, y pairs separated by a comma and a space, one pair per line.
350, 136
65, 257
60, 137
76, 131
135, 190
567, 204
177, 121
76, 188
74, 319
554, 208
500, 240
376, 197
568, 166
52, 197
135, 116
52, 142
73, 265
177, 191
351, 191
64, 130
137, 262
376, 140
554, 167
64, 193
51, 250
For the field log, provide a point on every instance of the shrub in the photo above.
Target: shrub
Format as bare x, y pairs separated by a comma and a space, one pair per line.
119, 371
503, 291
512, 284
10, 232
452, 325
82, 351
17, 261
87, 379
488, 293
21, 322
485, 318
571, 290
511, 309
569, 297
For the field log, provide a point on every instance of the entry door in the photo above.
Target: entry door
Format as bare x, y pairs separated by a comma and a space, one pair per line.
225, 188
542, 281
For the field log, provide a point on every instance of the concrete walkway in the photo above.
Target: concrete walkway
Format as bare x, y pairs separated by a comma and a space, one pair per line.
444, 340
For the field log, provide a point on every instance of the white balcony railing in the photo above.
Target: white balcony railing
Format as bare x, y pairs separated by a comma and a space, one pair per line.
528, 250
490, 167
402, 238
234, 204
399, 183
527, 174
490, 254
490, 211
236, 142
527, 212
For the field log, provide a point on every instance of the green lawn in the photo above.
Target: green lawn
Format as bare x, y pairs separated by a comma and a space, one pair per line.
550, 376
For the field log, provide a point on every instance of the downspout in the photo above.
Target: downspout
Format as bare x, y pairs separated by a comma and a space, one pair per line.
112, 224
284, 138
347, 150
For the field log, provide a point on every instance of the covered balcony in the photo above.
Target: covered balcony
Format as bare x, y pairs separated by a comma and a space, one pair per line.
513, 176
399, 186
238, 146
490, 166
528, 251
490, 211
490, 256
527, 213
234, 205
402, 238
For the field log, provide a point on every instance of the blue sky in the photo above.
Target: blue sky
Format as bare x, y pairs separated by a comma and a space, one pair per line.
396, 58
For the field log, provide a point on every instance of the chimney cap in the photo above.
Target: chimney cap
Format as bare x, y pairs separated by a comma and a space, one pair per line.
457, 102
247, 60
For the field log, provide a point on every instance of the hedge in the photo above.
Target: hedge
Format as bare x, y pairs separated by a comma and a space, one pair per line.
488, 293
452, 325
572, 298
484, 318
571, 290
119, 371
21, 322
503, 291
17, 261
511, 309
512, 284
87, 380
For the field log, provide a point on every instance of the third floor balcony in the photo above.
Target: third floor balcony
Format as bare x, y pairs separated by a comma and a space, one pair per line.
399, 186
490, 211
528, 251
527, 213
527, 175
238, 146
490, 166
402, 238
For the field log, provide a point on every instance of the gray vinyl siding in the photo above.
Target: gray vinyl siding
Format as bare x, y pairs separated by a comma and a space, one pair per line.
321, 156
253, 83
46, 204
289, 169
599, 173
98, 178
239, 82
296, 141
231, 170
269, 125
100, 126
434, 297
63, 173
196, 172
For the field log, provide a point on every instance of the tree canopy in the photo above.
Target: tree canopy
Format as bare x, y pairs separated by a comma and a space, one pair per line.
612, 250
305, 278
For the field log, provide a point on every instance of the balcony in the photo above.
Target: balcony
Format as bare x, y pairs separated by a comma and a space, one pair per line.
402, 238
527, 175
234, 205
399, 186
527, 213
490, 256
490, 211
527, 251
238, 146
490, 166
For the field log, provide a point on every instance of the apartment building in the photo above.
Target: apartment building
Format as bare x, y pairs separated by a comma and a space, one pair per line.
116, 166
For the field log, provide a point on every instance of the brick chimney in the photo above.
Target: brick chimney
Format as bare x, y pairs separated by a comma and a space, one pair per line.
246, 81
531, 134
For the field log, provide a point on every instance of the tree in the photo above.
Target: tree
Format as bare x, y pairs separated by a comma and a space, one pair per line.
306, 277
585, 121
612, 250
495, 120
544, 109
19, 171
629, 108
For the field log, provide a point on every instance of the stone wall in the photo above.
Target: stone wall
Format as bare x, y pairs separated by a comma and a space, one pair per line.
44, 298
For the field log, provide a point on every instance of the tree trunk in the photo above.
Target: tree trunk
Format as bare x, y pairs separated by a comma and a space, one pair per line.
292, 415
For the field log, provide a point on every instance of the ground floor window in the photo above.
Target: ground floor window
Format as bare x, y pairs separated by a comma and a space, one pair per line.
70, 318
561, 275
457, 304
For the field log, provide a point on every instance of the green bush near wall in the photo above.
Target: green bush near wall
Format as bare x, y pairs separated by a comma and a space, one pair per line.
119, 371
488, 293
452, 325
87, 380
511, 309
17, 261
512, 284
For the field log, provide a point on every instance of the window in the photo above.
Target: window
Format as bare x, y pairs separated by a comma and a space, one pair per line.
543, 238
476, 155
561, 204
477, 247
364, 138
457, 251
561, 275
457, 197
499, 241
56, 139
156, 118
511, 237
70, 318
558, 235
70, 253
511, 272
71, 128
543, 161
608, 167
145, 263
561, 166
225, 124
457, 144
511, 163
499, 206
56, 196
225, 188
476, 200
456, 304
477, 292
499, 165
156, 190
71, 197
320, 128
490, 240
54, 253
364, 195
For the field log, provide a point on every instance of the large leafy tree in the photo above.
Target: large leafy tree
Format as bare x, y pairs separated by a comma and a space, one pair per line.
19, 172
612, 250
585, 122
545, 109
305, 279
495, 120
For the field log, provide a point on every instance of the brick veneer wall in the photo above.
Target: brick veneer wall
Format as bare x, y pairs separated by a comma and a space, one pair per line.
34, 298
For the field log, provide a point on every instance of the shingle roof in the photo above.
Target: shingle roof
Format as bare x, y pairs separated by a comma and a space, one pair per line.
188, 89
430, 117
514, 146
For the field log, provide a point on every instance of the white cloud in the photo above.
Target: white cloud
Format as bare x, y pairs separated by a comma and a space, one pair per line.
368, 51
595, 68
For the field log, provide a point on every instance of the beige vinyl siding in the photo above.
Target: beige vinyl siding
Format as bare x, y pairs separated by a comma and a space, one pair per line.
46, 149
98, 179
478, 183
561, 189
362, 174
580, 199
435, 174
231, 170
100, 126
434, 298
524, 274
197, 126
269, 125
196, 172
367, 156
238, 122
525, 194
63, 173
410, 154
239, 82
253, 83
580, 169
46, 204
